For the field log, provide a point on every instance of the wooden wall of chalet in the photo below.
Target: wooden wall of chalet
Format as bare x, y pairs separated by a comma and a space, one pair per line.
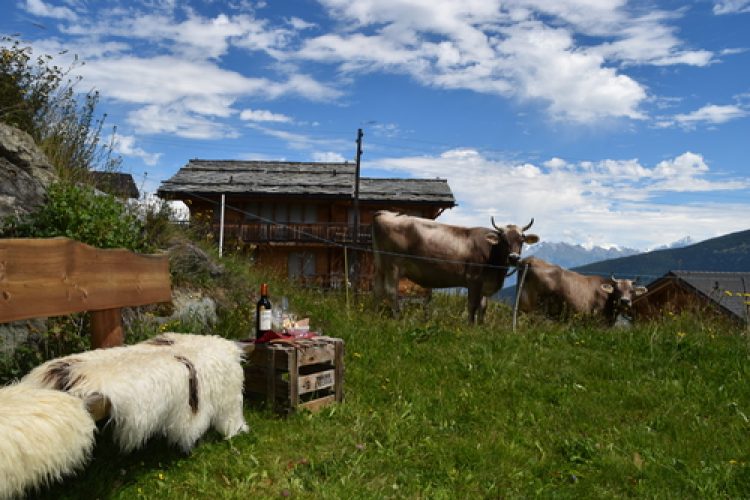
329, 259
671, 298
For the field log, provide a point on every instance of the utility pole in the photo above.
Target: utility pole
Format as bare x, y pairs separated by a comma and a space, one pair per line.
355, 260
356, 186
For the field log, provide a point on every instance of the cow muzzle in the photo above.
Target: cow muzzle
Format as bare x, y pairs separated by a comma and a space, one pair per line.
513, 258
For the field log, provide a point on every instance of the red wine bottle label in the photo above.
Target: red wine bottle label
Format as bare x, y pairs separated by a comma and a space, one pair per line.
265, 320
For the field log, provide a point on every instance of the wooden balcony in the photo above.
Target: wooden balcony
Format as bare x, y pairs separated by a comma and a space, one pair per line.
323, 233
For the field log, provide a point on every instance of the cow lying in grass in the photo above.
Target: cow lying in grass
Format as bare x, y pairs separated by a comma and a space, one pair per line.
559, 292
175, 385
44, 435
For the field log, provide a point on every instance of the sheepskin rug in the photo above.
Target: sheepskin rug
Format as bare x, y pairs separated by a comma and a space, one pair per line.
175, 385
44, 435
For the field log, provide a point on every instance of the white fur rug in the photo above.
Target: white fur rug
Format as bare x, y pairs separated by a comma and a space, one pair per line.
44, 435
175, 385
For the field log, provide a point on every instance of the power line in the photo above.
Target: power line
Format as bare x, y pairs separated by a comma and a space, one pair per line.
364, 249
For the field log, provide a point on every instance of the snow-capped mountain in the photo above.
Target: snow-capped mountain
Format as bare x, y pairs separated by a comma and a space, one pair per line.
569, 256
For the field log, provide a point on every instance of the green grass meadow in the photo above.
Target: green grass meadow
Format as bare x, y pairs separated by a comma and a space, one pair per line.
437, 409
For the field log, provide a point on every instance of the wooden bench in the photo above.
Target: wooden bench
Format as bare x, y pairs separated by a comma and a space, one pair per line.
58, 276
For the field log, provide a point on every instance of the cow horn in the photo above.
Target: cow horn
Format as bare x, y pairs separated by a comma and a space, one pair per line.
492, 219
526, 227
612, 277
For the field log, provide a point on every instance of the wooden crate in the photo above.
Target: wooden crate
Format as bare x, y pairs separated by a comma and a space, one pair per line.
308, 373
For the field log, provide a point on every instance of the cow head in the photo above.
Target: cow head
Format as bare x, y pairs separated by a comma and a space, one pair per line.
622, 292
512, 238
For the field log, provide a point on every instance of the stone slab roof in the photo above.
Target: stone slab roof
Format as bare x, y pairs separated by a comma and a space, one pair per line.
730, 291
116, 183
327, 180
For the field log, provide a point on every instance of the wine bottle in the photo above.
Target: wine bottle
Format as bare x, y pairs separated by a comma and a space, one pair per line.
263, 313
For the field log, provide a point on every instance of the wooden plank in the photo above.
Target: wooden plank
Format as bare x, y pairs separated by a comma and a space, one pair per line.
257, 382
316, 381
318, 404
339, 367
308, 353
293, 371
57, 276
316, 354
270, 378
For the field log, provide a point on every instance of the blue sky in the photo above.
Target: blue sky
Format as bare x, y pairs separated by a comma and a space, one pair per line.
610, 122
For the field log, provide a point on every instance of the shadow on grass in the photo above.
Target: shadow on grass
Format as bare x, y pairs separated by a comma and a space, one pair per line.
109, 469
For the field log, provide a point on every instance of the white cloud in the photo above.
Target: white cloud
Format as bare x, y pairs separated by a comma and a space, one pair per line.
710, 114
194, 93
731, 6
126, 146
575, 83
196, 36
600, 202
328, 157
528, 50
177, 119
648, 40
40, 8
296, 140
262, 115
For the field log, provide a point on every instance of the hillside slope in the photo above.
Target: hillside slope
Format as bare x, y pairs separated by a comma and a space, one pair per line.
728, 253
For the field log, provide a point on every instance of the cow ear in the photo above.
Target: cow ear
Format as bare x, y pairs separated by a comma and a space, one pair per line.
530, 239
607, 288
640, 290
492, 238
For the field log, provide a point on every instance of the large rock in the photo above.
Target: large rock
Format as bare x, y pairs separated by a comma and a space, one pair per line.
25, 173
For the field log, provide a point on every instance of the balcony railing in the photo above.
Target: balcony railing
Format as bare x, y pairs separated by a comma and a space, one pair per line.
297, 233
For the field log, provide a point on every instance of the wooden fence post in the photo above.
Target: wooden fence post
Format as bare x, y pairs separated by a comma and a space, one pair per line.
106, 328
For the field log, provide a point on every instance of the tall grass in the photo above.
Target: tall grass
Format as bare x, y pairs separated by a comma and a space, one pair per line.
437, 409
40, 98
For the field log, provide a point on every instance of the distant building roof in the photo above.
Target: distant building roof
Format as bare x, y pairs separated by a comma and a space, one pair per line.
116, 183
729, 291
273, 178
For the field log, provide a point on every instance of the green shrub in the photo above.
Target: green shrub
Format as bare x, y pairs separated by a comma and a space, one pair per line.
78, 212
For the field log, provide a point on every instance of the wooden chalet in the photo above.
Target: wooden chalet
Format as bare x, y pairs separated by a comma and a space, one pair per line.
116, 184
299, 216
723, 293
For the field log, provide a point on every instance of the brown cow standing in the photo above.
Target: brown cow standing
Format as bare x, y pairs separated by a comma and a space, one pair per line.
435, 255
560, 292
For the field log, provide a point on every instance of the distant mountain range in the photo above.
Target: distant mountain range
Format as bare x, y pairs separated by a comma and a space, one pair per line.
686, 241
728, 253
567, 255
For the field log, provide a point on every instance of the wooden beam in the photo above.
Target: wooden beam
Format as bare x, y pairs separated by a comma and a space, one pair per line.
106, 328
58, 276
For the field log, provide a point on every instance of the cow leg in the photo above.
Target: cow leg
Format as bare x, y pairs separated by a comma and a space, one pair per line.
378, 286
482, 310
474, 303
391, 278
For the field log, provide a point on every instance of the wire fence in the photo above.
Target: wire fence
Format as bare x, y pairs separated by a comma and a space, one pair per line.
350, 246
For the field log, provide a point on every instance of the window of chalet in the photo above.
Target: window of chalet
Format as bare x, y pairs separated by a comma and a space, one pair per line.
301, 264
281, 212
